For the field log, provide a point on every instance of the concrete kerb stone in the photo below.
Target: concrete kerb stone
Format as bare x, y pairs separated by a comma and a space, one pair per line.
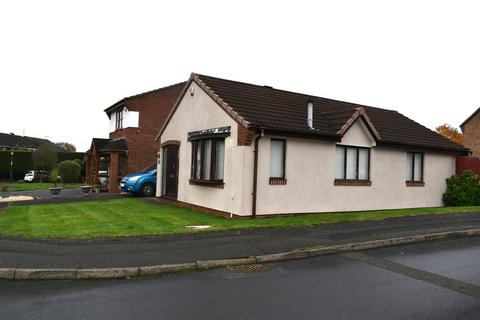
45, 274
210, 264
452, 234
7, 273
167, 268
283, 256
109, 273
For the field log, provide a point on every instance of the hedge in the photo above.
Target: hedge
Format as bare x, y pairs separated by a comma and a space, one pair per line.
23, 162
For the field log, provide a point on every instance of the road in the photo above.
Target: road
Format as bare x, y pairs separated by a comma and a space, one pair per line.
437, 280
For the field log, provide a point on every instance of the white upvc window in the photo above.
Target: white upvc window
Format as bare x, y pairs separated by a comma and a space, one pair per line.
352, 163
415, 165
277, 158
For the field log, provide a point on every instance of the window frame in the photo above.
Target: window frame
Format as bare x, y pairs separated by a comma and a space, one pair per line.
412, 181
284, 158
356, 181
119, 120
201, 180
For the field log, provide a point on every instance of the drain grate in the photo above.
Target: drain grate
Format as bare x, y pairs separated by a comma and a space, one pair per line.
251, 268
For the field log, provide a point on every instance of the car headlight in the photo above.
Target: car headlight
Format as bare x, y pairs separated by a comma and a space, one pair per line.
134, 178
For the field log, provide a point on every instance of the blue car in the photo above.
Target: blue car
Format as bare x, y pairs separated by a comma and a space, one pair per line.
140, 183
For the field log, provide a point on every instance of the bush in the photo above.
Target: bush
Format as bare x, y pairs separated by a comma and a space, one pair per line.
69, 171
54, 176
463, 191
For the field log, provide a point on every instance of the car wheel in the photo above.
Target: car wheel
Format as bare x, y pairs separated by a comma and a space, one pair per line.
148, 190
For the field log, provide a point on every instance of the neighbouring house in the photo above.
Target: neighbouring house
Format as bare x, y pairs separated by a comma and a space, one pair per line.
245, 150
134, 122
12, 142
471, 133
471, 139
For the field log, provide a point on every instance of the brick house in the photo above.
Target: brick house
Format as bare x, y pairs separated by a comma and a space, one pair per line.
471, 133
134, 122
240, 149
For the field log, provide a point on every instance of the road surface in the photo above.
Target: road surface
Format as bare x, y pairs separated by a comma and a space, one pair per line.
437, 280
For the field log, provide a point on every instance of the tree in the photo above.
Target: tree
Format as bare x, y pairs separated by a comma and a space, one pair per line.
66, 147
45, 158
451, 133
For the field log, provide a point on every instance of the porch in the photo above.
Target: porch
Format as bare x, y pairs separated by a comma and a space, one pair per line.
107, 163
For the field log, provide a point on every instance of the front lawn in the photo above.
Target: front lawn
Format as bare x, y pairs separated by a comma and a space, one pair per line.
29, 186
134, 217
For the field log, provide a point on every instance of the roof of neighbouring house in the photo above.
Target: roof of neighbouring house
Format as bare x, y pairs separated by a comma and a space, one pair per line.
263, 107
127, 99
11, 140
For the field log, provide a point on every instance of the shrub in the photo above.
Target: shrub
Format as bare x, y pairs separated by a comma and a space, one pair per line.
54, 176
463, 191
69, 171
3, 188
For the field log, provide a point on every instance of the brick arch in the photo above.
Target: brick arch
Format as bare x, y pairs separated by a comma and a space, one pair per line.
170, 143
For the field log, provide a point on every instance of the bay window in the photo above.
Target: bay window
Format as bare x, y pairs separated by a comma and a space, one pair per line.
208, 160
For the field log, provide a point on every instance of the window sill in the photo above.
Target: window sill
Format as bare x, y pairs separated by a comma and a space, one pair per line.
278, 181
415, 183
349, 182
208, 183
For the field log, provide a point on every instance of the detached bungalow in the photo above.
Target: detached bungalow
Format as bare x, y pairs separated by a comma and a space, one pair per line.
245, 150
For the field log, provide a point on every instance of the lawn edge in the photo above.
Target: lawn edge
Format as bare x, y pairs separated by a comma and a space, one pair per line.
313, 251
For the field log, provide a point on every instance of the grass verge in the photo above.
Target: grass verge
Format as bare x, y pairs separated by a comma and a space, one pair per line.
134, 217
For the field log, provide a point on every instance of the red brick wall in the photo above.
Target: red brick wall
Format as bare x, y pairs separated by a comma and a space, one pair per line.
471, 132
245, 136
463, 163
153, 108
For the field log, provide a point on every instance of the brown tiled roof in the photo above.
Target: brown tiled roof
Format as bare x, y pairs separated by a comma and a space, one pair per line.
270, 109
119, 144
99, 143
126, 99
24, 142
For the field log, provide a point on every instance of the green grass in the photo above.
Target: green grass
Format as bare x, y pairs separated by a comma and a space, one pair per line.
29, 186
134, 217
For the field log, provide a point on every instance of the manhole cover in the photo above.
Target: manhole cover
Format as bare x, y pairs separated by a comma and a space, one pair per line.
251, 268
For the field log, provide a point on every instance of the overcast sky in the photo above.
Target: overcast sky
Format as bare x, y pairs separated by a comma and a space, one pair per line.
63, 62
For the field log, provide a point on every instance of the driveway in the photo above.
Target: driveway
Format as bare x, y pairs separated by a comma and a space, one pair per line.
66, 195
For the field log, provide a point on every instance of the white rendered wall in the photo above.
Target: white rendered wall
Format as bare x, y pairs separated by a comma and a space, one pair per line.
199, 112
310, 174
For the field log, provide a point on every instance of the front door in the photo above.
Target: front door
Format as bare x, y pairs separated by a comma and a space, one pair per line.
170, 171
